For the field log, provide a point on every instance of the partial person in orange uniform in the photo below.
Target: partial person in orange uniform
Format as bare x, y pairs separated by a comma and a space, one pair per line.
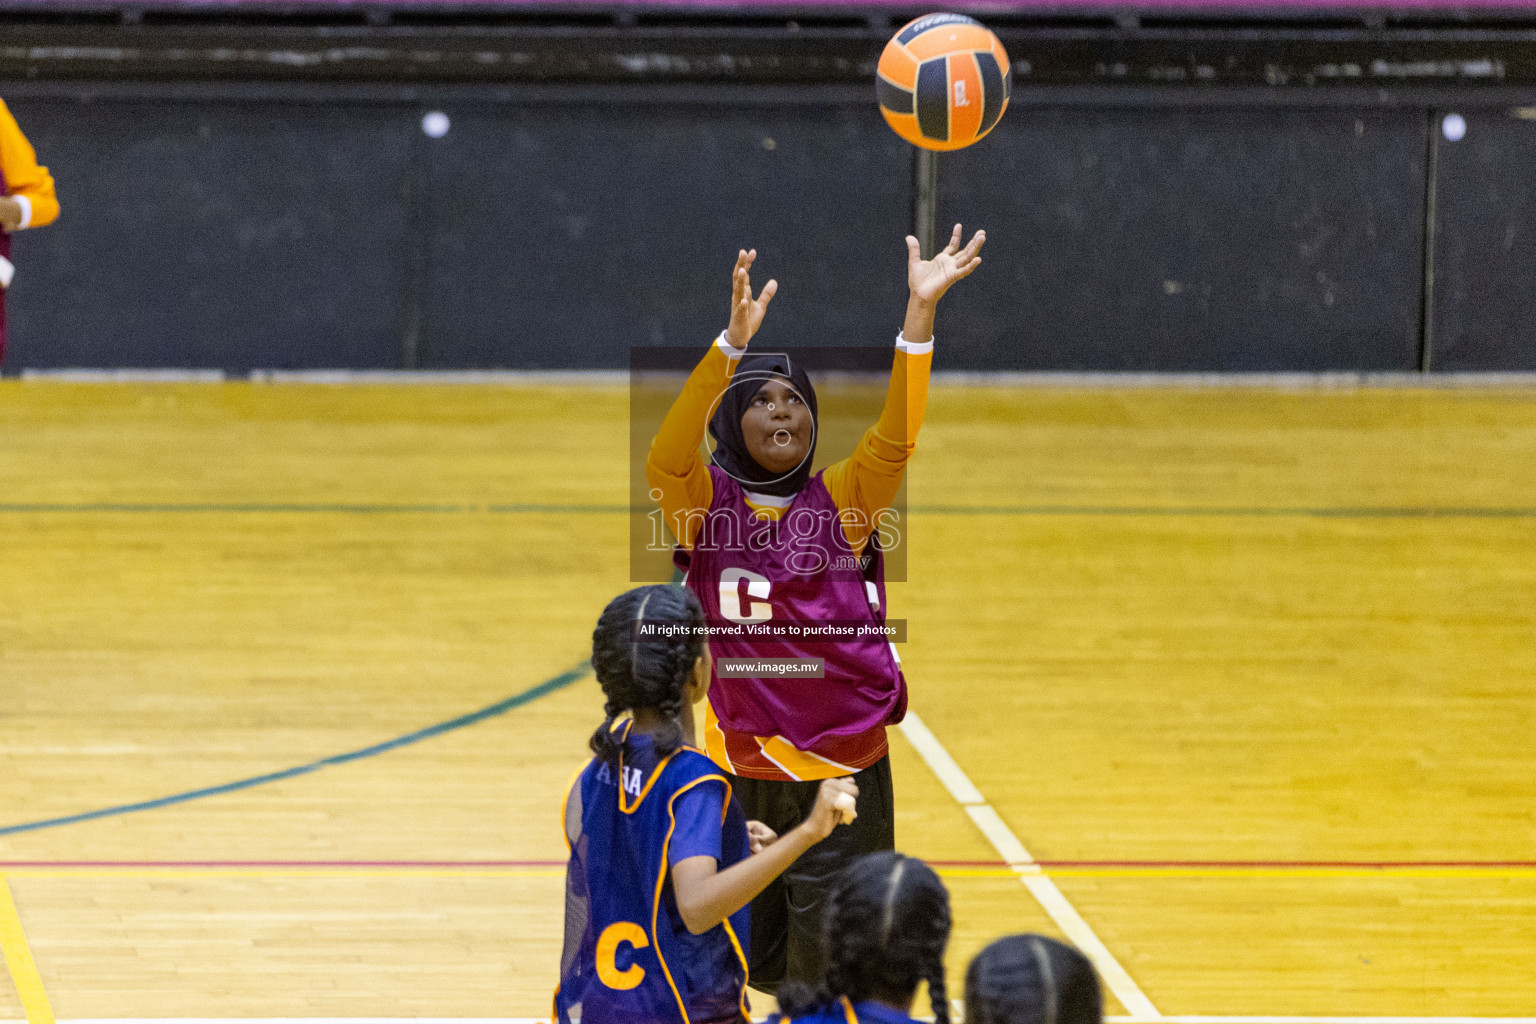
27, 199
776, 555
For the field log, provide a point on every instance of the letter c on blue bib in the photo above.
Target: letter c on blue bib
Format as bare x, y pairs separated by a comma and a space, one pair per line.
607, 955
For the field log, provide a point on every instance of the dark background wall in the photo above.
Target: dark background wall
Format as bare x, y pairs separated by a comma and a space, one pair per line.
283, 233
563, 234
1194, 239
239, 222
1485, 245
211, 234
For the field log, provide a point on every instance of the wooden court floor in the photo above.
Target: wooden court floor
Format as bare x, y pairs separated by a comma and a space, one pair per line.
1251, 673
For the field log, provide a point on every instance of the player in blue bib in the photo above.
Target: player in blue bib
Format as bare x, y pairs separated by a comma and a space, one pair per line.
884, 930
1032, 979
663, 861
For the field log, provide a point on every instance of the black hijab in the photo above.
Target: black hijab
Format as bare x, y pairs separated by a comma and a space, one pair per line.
731, 453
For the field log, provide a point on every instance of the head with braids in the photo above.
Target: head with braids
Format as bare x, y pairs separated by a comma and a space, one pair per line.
883, 931
655, 678
1031, 979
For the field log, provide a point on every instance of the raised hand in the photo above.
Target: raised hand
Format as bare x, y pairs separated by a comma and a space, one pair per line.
928, 280
746, 312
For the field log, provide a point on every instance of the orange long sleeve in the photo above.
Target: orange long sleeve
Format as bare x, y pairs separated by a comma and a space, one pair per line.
867, 481
23, 176
674, 467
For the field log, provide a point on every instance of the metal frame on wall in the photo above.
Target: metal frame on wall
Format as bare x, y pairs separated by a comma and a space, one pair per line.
1270, 46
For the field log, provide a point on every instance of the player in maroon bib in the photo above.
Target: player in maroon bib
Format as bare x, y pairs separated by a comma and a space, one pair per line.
5, 254
787, 566
791, 573
27, 198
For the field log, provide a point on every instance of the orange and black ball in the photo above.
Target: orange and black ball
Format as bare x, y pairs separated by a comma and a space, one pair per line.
943, 81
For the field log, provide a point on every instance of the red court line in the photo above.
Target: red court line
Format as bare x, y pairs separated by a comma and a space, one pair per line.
1247, 863
1384, 864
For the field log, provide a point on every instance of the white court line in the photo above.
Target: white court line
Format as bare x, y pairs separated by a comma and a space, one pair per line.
125, 376
435, 378
959, 785
1325, 381
1106, 380
1040, 887
500, 378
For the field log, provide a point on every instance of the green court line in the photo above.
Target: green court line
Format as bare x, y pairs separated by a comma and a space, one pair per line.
299, 507
501, 707
578, 508
1239, 511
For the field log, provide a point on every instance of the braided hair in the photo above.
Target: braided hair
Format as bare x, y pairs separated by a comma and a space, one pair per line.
645, 673
1031, 979
883, 930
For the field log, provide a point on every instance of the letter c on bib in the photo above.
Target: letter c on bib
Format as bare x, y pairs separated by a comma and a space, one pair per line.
758, 586
607, 954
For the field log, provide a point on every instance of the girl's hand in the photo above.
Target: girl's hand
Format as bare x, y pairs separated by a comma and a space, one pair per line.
761, 836
746, 312
928, 280
825, 816
10, 214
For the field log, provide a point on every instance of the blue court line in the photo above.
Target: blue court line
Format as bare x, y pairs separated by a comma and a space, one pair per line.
517, 700
1164, 511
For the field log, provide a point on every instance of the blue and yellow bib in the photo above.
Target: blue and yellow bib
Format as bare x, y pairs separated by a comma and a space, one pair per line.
629, 959
841, 1011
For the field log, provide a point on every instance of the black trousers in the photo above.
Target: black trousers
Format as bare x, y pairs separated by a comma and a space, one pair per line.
786, 916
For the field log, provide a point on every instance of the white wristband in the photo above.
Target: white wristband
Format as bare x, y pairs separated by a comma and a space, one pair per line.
903, 345
731, 351
26, 211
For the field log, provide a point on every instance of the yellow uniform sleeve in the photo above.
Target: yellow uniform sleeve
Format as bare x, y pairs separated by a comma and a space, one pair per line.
23, 176
867, 481
674, 468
